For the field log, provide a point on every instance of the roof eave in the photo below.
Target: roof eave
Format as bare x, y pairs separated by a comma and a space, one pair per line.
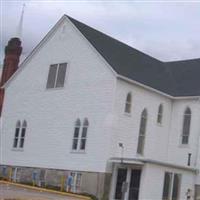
155, 90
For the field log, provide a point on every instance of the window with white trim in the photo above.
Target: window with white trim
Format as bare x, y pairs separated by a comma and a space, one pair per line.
80, 138
171, 186
17, 132
23, 134
142, 132
56, 77
20, 133
84, 134
160, 114
128, 103
76, 134
186, 126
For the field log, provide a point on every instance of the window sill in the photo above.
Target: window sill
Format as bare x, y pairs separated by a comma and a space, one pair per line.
184, 146
17, 149
159, 124
56, 88
127, 114
78, 152
140, 155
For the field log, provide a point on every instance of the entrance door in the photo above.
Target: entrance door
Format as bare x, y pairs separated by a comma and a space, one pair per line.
121, 177
134, 184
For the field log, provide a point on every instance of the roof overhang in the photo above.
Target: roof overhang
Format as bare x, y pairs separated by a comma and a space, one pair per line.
142, 161
157, 91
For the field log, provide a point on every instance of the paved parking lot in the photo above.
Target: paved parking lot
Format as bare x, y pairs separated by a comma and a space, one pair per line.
10, 191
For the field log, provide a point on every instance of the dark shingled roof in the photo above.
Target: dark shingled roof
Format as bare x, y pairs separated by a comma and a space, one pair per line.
180, 78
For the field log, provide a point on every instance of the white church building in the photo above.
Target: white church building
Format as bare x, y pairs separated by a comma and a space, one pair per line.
124, 124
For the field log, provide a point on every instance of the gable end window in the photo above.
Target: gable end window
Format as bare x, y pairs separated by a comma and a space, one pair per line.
186, 126
56, 77
128, 103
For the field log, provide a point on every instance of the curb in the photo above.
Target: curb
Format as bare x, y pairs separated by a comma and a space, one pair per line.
46, 190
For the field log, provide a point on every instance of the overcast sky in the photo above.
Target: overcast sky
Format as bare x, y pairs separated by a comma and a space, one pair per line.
168, 30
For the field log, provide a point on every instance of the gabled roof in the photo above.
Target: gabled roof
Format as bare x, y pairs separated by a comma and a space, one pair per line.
180, 78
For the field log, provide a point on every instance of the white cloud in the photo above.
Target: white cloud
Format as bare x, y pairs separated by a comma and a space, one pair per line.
165, 30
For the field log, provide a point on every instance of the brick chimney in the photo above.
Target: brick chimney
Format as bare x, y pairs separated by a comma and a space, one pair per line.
13, 51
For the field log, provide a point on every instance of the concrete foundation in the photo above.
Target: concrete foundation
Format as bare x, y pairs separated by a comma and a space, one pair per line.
93, 183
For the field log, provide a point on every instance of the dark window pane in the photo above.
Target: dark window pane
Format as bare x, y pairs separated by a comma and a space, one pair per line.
140, 148
61, 75
186, 126
21, 143
176, 187
142, 130
17, 132
83, 142
84, 132
75, 144
15, 143
160, 113
76, 132
185, 139
134, 184
16, 137
52, 76
121, 177
128, 108
23, 132
167, 186
128, 103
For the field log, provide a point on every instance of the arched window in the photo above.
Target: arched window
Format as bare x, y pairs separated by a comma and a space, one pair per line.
128, 103
186, 126
17, 130
76, 134
142, 131
160, 114
79, 140
84, 134
23, 133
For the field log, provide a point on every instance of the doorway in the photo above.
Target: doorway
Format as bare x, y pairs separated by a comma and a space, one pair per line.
121, 178
132, 178
134, 184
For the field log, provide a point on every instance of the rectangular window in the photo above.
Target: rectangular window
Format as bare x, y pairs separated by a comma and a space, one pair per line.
171, 188
56, 77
